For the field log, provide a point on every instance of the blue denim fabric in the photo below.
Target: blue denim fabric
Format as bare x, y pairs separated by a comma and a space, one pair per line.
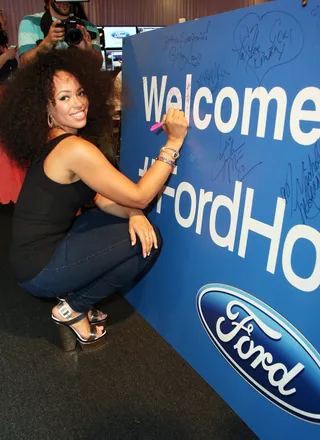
94, 260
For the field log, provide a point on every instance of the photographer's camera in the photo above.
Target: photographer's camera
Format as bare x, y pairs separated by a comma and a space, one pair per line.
73, 35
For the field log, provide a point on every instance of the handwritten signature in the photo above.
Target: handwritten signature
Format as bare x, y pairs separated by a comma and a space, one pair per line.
186, 38
184, 57
182, 50
250, 48
230, 165
302, 193
262, 43
213, 78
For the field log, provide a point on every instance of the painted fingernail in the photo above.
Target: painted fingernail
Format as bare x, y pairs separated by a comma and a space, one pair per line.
148, 254
132, 243
144, 256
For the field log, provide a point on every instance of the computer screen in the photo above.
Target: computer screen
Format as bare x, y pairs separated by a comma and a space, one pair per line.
113, 36
113, 59
147, 28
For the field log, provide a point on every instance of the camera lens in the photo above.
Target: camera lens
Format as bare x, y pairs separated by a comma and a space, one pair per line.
73, 36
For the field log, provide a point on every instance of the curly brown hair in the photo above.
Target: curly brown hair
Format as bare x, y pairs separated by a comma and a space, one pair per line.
23, 108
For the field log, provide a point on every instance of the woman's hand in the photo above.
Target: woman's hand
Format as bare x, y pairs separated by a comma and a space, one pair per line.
10, 54
140, 225
175, 125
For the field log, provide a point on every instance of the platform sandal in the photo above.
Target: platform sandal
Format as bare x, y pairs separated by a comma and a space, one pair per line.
94, 319
69, 337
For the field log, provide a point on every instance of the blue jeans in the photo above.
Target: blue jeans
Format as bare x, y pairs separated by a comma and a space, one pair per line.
95, 259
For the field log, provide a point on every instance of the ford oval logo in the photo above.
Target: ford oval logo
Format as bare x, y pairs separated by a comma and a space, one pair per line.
264, 348
120, 34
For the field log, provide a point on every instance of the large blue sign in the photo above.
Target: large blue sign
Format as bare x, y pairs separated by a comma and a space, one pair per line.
236, 288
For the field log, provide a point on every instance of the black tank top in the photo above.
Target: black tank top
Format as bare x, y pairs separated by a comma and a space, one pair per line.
43, 215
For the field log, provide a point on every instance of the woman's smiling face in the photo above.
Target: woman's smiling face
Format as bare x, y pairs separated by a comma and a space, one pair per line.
71, 105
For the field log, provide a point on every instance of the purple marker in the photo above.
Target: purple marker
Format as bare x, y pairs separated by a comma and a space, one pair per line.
156, 126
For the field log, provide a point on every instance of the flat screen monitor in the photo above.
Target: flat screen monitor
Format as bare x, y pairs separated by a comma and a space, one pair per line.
147, 28
113, 36
113, 59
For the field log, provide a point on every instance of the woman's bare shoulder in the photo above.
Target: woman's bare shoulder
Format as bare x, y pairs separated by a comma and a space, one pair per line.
76, 145
75, 151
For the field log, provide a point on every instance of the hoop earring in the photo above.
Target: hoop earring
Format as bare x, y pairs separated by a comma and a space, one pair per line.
50, 121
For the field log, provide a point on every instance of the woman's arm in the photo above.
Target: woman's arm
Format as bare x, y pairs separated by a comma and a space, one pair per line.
110, 207
90, 165
3, 59
9, 54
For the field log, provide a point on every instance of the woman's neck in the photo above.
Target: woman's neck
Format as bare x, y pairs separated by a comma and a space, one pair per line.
55, 132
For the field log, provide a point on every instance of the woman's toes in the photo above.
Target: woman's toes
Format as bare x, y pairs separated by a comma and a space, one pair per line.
101, 316
55, 312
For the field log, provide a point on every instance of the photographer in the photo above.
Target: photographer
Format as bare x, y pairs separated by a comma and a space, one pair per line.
44, 31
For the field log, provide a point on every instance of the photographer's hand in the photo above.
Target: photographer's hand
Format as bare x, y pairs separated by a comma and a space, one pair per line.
86, 42
55, 35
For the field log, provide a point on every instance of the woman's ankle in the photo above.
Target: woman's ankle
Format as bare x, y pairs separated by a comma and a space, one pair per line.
64, 312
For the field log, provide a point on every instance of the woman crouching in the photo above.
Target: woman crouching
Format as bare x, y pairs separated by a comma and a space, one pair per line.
51, 114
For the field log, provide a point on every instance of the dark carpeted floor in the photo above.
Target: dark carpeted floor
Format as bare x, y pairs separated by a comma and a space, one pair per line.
136, 387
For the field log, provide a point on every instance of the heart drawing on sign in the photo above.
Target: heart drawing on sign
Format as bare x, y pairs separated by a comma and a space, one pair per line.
263, 43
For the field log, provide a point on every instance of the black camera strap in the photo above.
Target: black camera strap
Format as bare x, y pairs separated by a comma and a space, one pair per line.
45, 23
